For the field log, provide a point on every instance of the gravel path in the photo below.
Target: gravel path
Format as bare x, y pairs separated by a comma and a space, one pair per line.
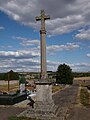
68, 107
65, 99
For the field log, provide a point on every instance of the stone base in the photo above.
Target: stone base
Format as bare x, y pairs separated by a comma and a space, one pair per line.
44, 107
41, 111
44, 92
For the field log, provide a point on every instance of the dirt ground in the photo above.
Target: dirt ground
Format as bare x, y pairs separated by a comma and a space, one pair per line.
6, 112
79, 113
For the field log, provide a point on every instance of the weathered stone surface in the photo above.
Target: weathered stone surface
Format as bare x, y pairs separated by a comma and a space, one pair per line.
64, 99
44, 107
43, 17
42, 112
44, 92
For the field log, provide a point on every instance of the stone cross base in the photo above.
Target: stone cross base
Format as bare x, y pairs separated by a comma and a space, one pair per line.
43, 112
44, 92
44, 108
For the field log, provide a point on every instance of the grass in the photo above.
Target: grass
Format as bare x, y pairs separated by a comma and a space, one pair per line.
56, 88
21, 118
13, 87
84, 97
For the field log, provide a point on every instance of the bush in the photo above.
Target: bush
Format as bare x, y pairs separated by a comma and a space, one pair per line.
64, 74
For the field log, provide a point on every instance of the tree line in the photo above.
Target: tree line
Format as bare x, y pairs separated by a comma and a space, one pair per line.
64, 75
81, 74
11, 75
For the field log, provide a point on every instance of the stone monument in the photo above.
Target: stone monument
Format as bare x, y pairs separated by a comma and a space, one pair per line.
43, 17
44, 107
44, 89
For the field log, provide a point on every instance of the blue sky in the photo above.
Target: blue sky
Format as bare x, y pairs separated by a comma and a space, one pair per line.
68, 34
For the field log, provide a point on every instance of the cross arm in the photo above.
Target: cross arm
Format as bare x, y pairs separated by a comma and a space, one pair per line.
47, 17
38, 18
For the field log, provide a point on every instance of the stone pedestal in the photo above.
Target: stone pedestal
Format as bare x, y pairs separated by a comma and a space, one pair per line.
44, 108
44, 92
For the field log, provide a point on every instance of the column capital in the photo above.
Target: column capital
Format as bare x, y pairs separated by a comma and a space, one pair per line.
42, 31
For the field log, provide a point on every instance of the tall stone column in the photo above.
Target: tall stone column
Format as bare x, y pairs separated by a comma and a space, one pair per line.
43, 17
43, 55
44, 88
44, 102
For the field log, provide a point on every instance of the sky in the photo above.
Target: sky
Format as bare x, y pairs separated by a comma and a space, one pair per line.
67, 38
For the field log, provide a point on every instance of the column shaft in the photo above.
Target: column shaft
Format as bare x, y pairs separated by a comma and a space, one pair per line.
43, 55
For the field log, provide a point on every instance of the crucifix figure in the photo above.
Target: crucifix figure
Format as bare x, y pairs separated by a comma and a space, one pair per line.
43, 17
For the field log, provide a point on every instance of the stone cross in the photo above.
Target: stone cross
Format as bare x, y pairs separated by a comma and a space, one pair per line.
43, 17
44, 107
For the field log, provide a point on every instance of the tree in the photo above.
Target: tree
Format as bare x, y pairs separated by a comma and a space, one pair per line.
12, 75
64, 74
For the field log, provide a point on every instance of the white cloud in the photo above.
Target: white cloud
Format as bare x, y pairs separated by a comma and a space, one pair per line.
83, 64
27, 42
27, 64
88, 55
66, 16
6, 47
84, 34
76, 67
18, 54
30, 43
80, 67
68, 46
64, 25
32, 65
2, 28
89, 47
